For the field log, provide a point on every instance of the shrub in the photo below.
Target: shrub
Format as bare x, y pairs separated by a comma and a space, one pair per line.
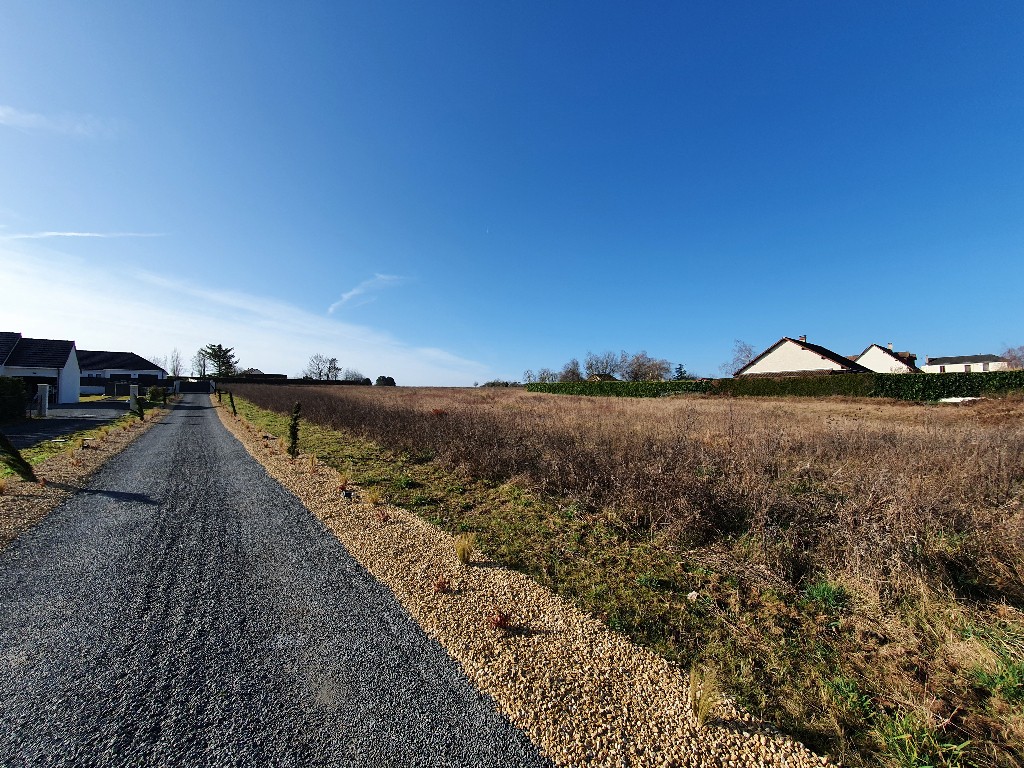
13, 398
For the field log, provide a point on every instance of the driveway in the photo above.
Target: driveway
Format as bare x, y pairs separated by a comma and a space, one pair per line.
185, 610
64, 420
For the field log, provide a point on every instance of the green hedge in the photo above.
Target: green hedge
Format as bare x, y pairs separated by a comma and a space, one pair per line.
901, 386
12, 398
933, 386
846, 384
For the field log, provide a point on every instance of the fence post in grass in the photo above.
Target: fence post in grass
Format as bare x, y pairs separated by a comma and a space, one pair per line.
293, 431
231, 399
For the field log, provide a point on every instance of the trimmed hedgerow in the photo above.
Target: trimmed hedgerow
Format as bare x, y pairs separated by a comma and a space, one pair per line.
934, 386
846, 384
899, 386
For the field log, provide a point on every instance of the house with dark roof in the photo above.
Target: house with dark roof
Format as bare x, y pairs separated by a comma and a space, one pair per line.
883, 360
799, 357
99, 368
41, 361
966, 364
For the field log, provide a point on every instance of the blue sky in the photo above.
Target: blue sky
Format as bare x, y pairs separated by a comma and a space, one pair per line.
450, 192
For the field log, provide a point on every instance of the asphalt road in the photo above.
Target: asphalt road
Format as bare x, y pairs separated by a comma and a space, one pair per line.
187, 611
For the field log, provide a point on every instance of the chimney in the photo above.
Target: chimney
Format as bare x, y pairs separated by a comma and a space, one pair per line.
803, 338
890, 346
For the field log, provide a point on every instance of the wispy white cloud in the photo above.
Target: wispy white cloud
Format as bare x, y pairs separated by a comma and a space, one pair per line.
47, 235
376, 283
70, 125
155, 313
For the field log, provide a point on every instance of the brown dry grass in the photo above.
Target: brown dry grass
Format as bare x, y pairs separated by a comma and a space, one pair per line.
856, 563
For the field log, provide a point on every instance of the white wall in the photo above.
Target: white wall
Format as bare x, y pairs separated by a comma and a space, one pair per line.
962, 367
879, 361
790, 358
70, 380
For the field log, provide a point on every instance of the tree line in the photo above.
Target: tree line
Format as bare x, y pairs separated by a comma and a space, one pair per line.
623, 365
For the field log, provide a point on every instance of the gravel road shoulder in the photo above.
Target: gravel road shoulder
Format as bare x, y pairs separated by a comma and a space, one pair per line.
585, 694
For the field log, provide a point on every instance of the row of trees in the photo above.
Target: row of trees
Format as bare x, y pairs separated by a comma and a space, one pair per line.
323, 368
622, 365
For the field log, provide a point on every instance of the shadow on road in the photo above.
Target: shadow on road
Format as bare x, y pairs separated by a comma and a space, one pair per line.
139, 498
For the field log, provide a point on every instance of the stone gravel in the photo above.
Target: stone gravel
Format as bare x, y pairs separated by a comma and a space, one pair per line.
186, 610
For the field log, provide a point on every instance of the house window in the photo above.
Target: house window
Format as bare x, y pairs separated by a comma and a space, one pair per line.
984, 366
942, 369
967, 369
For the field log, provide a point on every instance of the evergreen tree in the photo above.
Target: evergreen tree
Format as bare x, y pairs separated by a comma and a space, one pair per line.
221, 358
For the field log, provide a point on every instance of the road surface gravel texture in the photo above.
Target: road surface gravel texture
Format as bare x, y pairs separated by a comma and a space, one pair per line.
187, 611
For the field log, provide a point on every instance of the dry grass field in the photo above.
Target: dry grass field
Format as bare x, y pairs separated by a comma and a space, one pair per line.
851, 568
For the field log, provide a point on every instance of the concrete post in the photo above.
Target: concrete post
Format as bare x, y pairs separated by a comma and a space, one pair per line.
133, 397
44, 399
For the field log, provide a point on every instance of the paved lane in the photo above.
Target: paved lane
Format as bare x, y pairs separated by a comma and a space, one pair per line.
187, 611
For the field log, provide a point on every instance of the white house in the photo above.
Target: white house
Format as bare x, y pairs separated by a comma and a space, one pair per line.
884, 360
798, 357
966, 364
99, 367
41, 361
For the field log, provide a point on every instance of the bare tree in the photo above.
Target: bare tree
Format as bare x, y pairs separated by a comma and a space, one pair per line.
606, 362
643, 367
742, 353
528, 377
159, 360
571, 371
176, 364
316, 368
200, 364
351, 374
546, 376
1015, 356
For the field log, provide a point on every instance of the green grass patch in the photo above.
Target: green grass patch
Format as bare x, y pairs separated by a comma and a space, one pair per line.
40, 452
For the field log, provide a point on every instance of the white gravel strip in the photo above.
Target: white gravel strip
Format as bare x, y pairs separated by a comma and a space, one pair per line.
586, 695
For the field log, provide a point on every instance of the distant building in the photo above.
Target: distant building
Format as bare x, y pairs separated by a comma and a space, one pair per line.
799, 357
601, 377
966, 364
41, 361
884, 360
101, 368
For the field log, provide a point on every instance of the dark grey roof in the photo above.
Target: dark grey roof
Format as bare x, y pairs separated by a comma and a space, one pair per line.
847, 365
967, 359
127, 361
8, 340
40, 353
